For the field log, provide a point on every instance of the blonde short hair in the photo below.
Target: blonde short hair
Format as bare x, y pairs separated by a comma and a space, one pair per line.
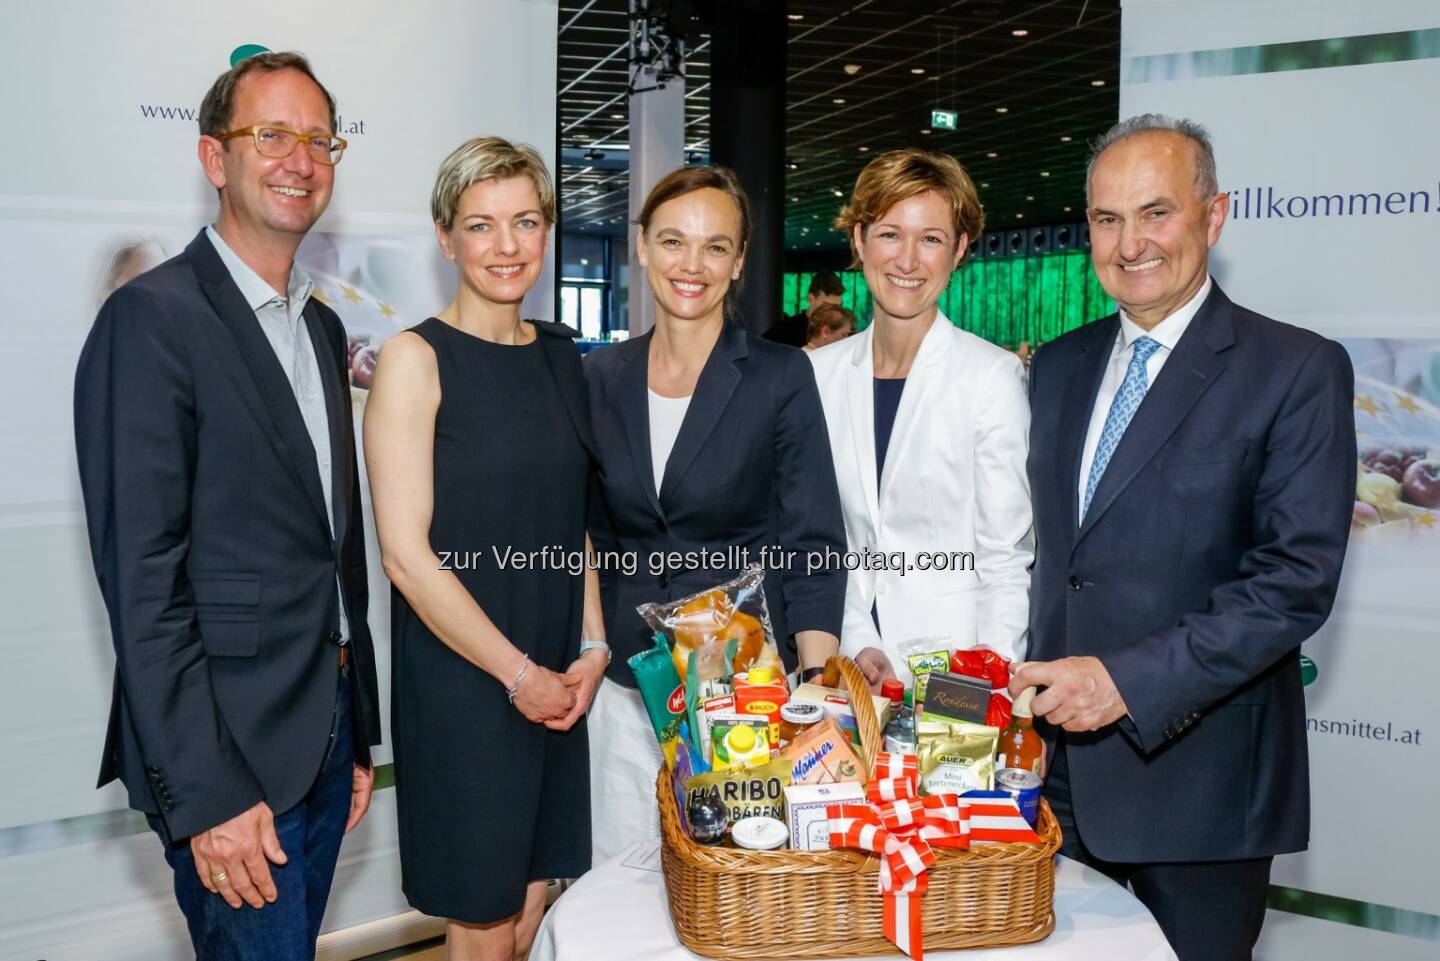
488, 158
898, 175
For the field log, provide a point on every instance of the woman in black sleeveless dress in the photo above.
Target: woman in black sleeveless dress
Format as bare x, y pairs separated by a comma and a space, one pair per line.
478, 445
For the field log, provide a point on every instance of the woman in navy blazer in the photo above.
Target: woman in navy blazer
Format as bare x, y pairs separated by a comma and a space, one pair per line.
713, 439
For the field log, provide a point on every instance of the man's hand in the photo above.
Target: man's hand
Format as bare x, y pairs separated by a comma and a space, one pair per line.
584, 675
1078, 694
876, 667
362, 784
231, 858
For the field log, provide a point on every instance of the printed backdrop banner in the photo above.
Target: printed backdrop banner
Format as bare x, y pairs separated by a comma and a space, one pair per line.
1322, 114
100, 182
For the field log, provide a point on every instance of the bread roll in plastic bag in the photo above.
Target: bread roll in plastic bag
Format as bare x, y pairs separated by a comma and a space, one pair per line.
734, 610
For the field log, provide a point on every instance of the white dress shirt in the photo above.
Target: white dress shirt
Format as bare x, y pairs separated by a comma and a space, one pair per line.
1167, 334
666, 416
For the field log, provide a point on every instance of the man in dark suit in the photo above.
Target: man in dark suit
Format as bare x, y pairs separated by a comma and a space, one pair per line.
217, 462
825, 290
1192, 466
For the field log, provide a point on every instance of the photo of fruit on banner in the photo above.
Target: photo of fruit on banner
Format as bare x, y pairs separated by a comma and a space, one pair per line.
1397, 435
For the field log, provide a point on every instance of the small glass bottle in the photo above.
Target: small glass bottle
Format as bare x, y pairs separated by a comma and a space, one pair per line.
1020, 746
900, 732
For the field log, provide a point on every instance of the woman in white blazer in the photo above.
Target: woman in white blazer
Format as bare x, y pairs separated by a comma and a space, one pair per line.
928, 427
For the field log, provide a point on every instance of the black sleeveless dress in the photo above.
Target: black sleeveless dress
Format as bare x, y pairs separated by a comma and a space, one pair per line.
488, 800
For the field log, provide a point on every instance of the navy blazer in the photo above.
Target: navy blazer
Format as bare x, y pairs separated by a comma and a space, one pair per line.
751, 468
1211, 550
211, 545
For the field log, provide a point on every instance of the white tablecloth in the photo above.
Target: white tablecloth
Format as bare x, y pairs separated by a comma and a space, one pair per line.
617, 912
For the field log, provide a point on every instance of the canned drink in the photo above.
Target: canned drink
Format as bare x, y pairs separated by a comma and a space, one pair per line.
1024, 787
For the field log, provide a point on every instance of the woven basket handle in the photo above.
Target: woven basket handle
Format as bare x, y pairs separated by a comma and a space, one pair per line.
840, 672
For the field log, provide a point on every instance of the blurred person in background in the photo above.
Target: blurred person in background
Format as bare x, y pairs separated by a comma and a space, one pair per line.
829, 324
825, 290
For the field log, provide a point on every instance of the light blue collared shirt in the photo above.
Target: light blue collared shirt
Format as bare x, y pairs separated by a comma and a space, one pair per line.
281, 318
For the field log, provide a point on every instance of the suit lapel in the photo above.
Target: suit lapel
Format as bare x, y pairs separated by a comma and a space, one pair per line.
267, 392
1081, 388
718, 380
634, 404
1198, 360
333, 382
860, 398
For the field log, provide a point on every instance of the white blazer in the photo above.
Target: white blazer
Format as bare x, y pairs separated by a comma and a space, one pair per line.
954, 481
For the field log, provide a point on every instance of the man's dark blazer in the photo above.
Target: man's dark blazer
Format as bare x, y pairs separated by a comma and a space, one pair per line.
751, 468
793, 330
208, 531
1211, 550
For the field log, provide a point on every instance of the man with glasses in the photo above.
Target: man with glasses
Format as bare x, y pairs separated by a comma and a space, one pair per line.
217, 462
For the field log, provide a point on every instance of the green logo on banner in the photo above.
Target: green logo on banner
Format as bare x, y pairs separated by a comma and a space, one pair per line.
1308, 671
246, 50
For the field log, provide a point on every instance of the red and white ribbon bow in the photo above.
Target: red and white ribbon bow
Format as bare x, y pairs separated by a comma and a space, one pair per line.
904, 828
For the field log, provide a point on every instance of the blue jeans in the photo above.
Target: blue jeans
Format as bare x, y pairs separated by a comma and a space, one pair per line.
310, 835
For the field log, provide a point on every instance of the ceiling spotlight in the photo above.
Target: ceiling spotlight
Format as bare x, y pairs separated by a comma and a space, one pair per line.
1097, 83
1002, 109
992, 155
794, 200
984, 185
925, 131
1019, 216
795, 16
1067, 210
837, 100
852, 68
617, 116
1020, 33
1065, 139
1028, 197
917, 70
582, 136
864, 149
838, 193
1044, 173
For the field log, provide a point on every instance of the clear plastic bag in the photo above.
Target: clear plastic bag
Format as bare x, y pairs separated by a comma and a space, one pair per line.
706, 623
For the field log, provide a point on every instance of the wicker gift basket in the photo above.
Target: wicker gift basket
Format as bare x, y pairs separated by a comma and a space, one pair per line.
736, 905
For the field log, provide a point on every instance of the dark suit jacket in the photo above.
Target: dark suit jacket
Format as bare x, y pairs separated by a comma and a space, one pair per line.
793, 330
1212, 548
208, 531
750, 468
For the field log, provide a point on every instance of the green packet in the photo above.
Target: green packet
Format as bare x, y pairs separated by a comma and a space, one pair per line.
660, 688
922, 665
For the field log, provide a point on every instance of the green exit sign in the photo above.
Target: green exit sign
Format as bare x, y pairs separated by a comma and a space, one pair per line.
943, 119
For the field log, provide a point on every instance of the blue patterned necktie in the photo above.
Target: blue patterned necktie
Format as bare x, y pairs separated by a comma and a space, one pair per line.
1122, 410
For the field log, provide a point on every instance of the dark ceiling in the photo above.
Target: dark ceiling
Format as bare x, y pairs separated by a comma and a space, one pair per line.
1031, 83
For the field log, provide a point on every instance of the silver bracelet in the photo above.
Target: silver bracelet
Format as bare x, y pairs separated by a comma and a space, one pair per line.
514, 689
586, 646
